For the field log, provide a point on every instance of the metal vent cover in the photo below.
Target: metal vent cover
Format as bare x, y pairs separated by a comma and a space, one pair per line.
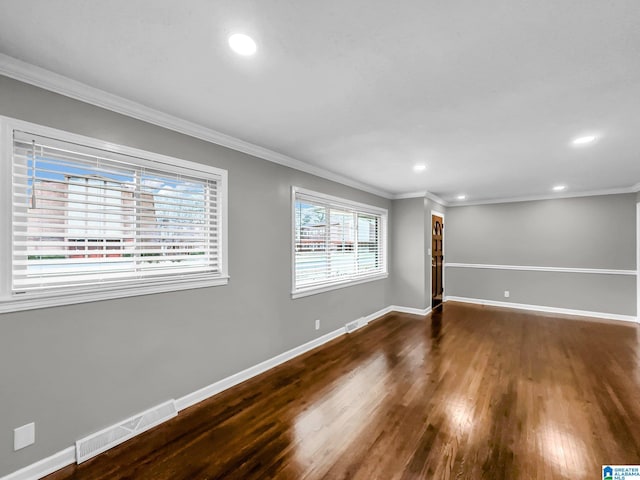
103, 440
356, 324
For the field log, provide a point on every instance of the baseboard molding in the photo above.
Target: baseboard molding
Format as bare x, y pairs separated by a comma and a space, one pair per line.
67, 456
411, 310
46, 466
379, 314
542, 308
233, 380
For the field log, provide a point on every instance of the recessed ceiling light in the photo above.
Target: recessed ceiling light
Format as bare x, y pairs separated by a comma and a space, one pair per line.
420, 168
584, 140
559, 188
461, 197
242, 44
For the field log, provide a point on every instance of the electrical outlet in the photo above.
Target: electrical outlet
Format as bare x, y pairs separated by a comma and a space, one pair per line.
24, 436
506, 294
317, 324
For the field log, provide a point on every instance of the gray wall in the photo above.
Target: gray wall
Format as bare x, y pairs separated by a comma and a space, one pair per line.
408, 259
411, 263
76, 369
588, 232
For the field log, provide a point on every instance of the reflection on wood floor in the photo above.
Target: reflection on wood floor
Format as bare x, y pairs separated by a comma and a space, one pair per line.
467, 392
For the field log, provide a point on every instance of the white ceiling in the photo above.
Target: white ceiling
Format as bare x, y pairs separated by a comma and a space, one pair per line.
488, 94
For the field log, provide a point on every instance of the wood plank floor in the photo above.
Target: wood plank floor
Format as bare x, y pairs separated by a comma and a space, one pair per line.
469, 392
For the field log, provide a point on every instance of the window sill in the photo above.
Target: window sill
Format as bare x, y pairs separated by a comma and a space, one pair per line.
327, 288
31, 302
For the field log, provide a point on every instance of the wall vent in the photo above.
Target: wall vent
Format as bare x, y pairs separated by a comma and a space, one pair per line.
356, 324
108, 438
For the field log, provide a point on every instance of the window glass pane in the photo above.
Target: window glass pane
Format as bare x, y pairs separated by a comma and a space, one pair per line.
173, 219
312, 262
334, 243
342, 258
368, 251
75, 214
81, 218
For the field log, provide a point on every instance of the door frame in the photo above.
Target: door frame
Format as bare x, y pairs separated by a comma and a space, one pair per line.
441, 215
637, 260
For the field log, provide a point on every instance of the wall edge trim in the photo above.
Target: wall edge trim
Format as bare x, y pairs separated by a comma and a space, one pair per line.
45, 466
543, 308
25, 72
410, 310
533, 268
204, 393
557, 196
40, 77
67, 457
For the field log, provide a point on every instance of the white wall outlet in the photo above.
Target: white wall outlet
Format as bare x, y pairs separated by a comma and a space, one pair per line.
317, 324
24, 436
428, 251
506, 294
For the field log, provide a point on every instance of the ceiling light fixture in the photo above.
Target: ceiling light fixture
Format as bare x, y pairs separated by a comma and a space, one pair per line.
461, 197
242, 44
420, 168
559, 188
584, 140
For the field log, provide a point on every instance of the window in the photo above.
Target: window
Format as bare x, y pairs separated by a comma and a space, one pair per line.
336, 242
89, 220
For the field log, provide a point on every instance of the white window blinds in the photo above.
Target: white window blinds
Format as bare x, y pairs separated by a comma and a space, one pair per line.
84, 216
336, 241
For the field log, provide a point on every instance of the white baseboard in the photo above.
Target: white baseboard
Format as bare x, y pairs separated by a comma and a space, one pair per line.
542, 308
67, 456
411, 310
228, 382
232, 380
46, 466
379, 314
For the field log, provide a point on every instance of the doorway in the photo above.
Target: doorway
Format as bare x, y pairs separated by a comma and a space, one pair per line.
437, 259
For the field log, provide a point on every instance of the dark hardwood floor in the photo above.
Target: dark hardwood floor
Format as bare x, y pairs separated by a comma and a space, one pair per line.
469, 392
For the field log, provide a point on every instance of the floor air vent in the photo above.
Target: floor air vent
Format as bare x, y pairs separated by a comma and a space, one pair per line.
356, 324
110, 437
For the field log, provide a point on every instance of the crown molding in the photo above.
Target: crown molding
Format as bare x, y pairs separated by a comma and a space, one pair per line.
557, 196
421, 194
436, 199
530, 198
48, 80
402, 196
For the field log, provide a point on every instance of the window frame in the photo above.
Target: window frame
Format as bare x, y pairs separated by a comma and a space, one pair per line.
12, 302
344, 203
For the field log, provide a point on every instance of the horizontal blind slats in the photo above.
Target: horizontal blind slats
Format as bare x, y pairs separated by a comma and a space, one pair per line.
142, 211
39, 246
334, 242
85, 216
75, 196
